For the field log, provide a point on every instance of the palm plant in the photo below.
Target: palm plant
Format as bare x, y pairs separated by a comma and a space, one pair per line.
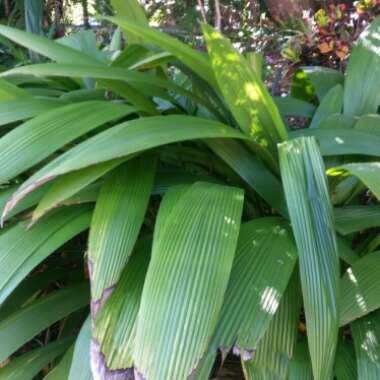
211, 225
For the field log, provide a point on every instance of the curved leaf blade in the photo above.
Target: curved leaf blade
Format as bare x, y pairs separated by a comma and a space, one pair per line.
22, 250
70, 184
36, 139
23, 325
311, 215
361, 95
345, 362
193, 249
360, 288
115, 327
46, 47
331, 104
275, 349
22, 109
193, 59
118, 216
351, 219
124, 140
366, 334
245, 93
30, 364
80, 368
264, 261
252, 171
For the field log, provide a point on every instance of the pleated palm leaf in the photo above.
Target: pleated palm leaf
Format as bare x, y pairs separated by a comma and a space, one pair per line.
207, 222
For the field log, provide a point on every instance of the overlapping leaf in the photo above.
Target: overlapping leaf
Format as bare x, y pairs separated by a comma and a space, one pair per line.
274, 351
31, 363
68, 185
117, 219
366, 334
22, 250
311, 215
116, 322
245, 93
122, 141
80, 365
360, 288
195, 60
263, 264
21, 326
345, 362
361, 95
331, 104
36, 139
22, 109
194, 244
351, 219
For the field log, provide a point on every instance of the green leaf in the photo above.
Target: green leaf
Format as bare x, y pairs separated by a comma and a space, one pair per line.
164, 181
252, 171
116, 322
132, 54
331, 104
361, 95
152, 61
338, 121
61, 370
23, 325
192, 58
256, 61
360, 288
80, 366
85, 42
194, 243
366, 334
10, 91
68, 185
22, 109
245, 93
310, 211
22, 250
5, 194
274, 351
289, 106
83, 94
47, 47
132, 80
131, 94
31, 287
29, 201
124, 140
36, 139
342, 141
28, 365
264, 261
300, 366
351, 219
118, 217
130, 10
345, 361
368, 123
346, 253
368, 173
323, 79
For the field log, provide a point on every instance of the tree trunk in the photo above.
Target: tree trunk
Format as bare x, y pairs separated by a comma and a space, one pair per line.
58, 14
85, 14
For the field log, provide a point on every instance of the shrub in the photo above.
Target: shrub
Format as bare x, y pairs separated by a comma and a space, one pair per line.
211, 224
